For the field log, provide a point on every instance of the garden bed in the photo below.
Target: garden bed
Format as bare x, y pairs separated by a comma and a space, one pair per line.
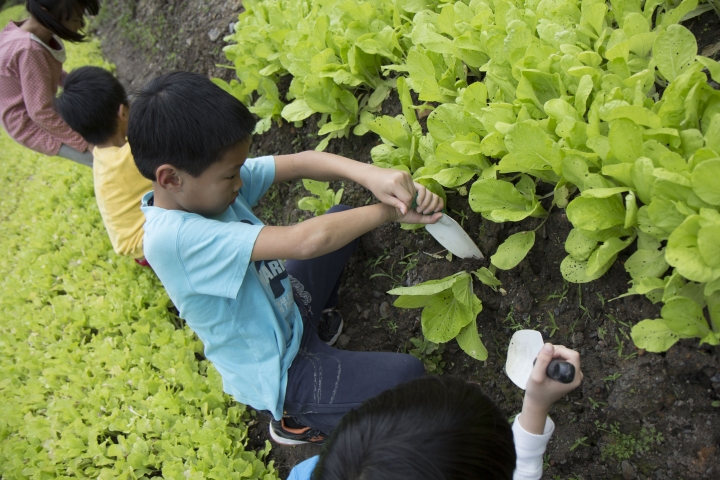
637, 414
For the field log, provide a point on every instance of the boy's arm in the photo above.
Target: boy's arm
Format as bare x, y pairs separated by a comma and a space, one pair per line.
326, 233
390, 186
533, 428
542, 391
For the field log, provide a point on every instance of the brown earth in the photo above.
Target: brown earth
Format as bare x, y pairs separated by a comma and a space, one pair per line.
665, 426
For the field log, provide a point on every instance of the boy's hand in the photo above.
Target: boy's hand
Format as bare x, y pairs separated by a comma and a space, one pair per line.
426, 201
397, 189
541, 391
428, 208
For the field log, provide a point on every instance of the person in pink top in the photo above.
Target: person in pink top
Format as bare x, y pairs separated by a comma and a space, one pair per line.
31, 58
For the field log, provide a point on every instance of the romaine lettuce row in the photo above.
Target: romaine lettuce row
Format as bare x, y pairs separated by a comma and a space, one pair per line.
557, 91
334, 52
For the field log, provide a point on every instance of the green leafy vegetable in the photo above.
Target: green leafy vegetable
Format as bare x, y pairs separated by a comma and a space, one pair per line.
325, 198
449, 310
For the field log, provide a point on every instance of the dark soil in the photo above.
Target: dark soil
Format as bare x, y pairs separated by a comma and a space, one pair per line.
636, 415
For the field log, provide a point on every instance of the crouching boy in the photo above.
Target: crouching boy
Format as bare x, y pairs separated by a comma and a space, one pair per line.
258, 316
95, 105
444, 427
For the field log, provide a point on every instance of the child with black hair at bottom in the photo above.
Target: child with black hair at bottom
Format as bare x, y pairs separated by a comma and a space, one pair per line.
444, 428
259, 317
95, 105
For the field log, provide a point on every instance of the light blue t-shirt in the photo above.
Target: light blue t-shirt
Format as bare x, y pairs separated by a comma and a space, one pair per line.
302, 471
243, 311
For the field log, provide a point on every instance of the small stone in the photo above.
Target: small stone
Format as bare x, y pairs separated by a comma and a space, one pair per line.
377, 294
214, 34
188, 41
231, 27
385, 310
628, 471
343, 341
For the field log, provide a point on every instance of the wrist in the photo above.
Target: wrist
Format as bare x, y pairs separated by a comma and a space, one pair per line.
533, 417
391, 213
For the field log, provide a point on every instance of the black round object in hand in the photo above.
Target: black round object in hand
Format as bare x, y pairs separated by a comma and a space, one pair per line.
563, 372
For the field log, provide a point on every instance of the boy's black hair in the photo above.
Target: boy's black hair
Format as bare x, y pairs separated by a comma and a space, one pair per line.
427, 429
50, 14
90, 101
185, 120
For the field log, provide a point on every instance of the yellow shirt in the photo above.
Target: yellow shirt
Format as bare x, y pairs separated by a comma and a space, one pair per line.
119, 187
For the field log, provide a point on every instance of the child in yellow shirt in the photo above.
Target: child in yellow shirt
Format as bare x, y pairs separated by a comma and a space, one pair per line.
95, 104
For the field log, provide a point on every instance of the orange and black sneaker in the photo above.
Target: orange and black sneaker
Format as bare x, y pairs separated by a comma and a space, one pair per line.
285, 435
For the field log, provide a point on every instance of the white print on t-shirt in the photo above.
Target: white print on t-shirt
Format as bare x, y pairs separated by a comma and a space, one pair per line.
271, 274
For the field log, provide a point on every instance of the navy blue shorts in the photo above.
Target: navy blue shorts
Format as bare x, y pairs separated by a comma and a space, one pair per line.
323, 382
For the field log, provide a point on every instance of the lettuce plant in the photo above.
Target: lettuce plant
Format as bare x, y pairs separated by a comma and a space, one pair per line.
333, 50
450, 309
324, 197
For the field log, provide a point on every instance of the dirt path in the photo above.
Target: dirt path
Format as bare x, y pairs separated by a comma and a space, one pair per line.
637, 415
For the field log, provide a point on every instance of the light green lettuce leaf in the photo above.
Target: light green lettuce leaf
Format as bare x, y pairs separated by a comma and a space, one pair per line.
604, 256
530, 149
469, 340
646, 263
683, 252
579, 246
444, 316
705, 181
596, 213
430, 287
603, 192
496, 199
488, 278
681, 318
674, 51
575, 271
513, 250
454, 176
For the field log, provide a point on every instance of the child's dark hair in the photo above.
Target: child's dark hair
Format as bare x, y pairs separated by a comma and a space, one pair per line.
90, 102
185, 120
51, 13
427, 429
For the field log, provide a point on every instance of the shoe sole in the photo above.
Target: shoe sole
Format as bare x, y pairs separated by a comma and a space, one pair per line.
332, 341
285, 441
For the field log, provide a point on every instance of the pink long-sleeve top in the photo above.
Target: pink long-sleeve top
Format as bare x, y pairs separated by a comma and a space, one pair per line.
30, 74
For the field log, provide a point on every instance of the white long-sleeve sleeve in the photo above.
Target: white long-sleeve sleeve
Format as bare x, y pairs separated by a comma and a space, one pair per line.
529, 449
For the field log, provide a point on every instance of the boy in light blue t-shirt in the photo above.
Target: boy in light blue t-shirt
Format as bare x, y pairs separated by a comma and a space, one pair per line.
258, 316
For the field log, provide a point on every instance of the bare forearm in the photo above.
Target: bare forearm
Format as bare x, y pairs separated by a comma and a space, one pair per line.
532, 418
320, 235
320, 166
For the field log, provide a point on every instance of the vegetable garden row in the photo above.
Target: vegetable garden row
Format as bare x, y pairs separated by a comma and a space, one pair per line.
98, 379
601, 109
